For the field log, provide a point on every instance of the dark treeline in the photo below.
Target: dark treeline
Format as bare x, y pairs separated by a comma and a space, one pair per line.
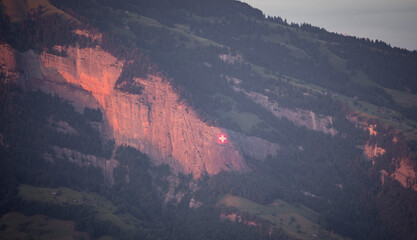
41, 32
26, 115
391, 69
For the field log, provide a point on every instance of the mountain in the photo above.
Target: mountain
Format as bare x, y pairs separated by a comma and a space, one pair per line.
111, 110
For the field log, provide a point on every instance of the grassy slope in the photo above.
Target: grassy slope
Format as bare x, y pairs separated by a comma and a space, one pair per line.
403, 98
297, 220
390, 117
104, 208
15, 225
368, 110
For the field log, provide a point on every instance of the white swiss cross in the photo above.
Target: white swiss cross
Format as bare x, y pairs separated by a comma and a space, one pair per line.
221, 138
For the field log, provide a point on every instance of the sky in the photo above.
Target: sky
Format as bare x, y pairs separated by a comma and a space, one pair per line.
392, 21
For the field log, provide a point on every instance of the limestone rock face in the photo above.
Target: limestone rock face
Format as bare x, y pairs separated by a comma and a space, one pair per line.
170, 132
405, 169
86, 160
254, 147
373, 151
405, 173
300, 117
156, 122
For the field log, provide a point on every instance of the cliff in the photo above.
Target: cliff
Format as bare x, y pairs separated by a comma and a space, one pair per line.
156, 122
405, 173
385, 143
84, 160
300, 117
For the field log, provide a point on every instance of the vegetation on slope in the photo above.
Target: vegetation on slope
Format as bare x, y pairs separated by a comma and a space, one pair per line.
297, 220
186, 42
15, 225
131, 208
297, 66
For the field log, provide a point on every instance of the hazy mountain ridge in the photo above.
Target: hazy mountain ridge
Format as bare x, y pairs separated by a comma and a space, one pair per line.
189, 49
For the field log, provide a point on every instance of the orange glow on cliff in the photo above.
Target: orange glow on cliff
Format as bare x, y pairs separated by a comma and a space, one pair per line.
155, 122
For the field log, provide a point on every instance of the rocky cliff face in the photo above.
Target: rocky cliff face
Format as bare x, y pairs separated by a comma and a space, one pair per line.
383, 141
373, 151
85, 160
299, 117
155, 122
405, 173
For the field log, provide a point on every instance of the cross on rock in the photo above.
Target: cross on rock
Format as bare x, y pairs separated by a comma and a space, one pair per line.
221, 138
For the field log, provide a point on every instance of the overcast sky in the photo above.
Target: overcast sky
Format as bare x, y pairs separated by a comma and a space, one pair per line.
392, 21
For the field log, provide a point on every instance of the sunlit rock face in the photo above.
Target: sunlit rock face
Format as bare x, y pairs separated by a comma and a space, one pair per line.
156, 122
405, 169
405, 173
373, 151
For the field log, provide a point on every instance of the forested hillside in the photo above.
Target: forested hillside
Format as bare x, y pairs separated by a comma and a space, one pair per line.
342, 110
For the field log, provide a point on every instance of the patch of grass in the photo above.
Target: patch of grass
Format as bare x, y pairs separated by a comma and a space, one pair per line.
178, 29
17, 9
336, 61
405, 99
297, 220
305, 85
264, 73
16, 225
64, 196
284, 40
195, 41
358, 76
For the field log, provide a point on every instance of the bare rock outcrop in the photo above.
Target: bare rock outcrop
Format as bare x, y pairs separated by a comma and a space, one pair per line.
254, 147
156, 122
300, 117
405, 170
87, 160
373, 151
405, 173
